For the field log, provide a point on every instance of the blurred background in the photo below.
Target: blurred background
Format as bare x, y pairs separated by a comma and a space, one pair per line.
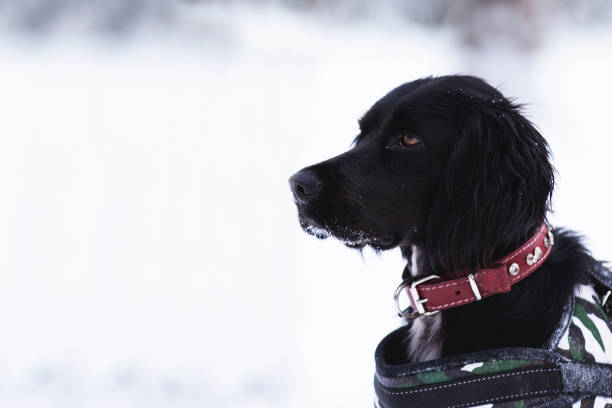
150, 253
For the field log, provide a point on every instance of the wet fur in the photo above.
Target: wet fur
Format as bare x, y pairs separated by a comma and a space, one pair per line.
476, 188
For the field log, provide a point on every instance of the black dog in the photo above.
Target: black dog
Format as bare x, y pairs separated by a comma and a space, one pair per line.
450, 171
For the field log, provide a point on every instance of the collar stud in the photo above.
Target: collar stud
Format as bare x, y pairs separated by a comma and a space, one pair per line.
514, 269
535, 257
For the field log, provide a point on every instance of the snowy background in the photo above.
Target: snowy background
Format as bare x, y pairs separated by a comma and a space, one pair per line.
150, 251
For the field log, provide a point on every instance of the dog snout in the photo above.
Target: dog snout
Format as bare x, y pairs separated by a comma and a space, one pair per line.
305, 186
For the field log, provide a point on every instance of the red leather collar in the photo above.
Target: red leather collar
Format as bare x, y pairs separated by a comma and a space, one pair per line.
436, 294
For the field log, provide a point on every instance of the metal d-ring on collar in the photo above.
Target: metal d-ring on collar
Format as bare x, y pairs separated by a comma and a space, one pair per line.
418, 302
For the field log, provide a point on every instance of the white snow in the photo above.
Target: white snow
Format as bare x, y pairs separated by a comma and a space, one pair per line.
151, 254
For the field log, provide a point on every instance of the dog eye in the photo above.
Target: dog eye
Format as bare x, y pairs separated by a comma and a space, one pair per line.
410, 140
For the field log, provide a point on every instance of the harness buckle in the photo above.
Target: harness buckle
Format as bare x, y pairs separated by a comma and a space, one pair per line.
418, 302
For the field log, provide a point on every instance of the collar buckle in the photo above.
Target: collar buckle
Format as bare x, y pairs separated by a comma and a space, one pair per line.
414, 294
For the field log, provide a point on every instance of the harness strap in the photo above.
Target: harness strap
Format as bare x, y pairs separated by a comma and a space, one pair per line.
587, 378
603, 286
603, 275
552, 380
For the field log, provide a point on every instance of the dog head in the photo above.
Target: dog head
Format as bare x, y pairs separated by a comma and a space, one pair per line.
446, 163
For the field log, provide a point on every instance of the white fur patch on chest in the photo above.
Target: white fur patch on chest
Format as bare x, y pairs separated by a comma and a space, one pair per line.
414, 261
424, 341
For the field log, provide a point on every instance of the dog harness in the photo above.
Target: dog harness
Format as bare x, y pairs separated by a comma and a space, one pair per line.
573, 369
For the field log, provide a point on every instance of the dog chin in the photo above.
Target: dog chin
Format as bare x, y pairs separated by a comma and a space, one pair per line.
382, 243
351, 238
316, 231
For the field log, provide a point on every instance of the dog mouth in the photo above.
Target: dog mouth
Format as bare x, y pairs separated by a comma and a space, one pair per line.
351, 237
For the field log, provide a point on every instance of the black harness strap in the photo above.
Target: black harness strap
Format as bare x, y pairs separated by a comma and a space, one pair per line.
514, 385
603, 286
587, 378
553, 380
603, 275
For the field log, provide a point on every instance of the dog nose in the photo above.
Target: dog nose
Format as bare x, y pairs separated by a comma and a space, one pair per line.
305, 186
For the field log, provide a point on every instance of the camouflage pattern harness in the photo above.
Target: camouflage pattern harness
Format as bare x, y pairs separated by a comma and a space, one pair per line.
573, 369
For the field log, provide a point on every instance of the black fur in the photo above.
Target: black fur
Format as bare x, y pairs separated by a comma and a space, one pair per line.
475, 188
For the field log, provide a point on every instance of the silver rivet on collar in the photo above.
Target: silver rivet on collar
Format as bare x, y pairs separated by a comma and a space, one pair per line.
535, 257
549, 240
514, 269
537, 252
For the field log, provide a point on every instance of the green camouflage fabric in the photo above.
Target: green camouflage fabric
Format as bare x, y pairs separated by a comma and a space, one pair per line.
588, 338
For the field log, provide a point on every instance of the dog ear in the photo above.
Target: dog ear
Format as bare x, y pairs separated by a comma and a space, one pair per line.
493, 193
